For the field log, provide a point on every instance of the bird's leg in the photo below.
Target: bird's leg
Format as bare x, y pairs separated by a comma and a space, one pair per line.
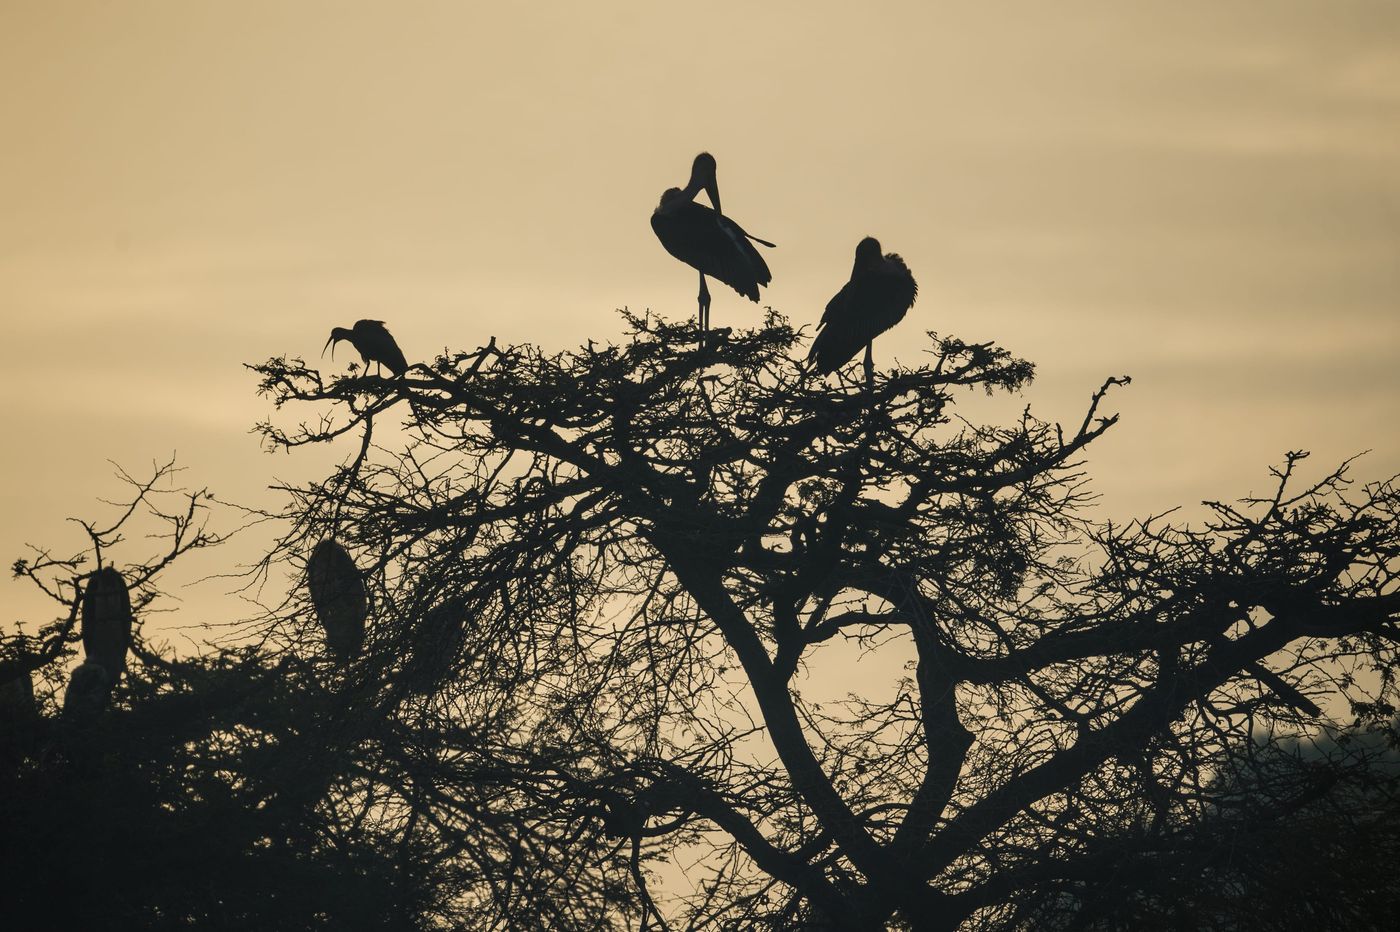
869, 394
704, 304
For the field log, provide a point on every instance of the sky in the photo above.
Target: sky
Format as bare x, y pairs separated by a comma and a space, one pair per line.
1202, 195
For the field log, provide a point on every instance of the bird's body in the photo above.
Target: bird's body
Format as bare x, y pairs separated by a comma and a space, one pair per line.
708, 241
374, 344
880, 292
107, 620
338, 595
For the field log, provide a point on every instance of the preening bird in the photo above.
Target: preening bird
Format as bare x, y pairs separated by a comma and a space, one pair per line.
880, 292
374, 343
708, 241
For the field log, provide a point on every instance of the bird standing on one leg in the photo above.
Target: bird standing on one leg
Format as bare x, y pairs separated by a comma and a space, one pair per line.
707, 240
374, 343
880, 292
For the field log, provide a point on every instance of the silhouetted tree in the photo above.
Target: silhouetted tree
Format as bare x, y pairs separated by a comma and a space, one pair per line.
1287, 834
596, 580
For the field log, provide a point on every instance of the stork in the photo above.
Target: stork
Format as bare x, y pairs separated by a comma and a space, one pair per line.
374, 343
707, 240
880, 292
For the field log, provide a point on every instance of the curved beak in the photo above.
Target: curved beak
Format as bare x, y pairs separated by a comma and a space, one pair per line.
330, 345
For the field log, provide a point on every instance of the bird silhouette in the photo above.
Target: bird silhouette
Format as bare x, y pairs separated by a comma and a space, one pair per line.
708, 241
107, 620
374, 343
338, 595
880, 292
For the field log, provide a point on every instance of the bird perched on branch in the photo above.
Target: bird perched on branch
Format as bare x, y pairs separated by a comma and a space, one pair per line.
338, 595
374, 343
880, 292
107, 620
707, 240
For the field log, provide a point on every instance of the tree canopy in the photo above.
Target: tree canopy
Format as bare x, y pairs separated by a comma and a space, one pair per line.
596, 581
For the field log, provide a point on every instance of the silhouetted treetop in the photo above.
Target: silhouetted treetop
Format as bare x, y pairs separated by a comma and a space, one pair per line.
603, 594
662, 528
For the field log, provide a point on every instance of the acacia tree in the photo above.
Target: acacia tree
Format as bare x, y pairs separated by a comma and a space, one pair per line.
635, 549
598, 576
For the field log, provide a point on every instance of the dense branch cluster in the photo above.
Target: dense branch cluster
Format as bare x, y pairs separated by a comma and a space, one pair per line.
599, 580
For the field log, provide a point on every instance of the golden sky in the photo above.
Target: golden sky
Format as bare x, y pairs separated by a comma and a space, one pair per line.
1203, 195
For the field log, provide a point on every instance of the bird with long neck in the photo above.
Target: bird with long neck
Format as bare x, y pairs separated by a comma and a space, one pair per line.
374, 343
708, 241
880, 292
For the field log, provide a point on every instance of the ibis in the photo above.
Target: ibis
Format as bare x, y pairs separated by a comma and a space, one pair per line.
374, 342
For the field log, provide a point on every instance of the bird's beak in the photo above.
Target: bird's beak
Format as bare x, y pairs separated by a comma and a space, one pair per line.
712, 189
330, 345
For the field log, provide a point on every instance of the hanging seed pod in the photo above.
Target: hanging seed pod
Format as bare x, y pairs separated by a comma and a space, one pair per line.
107, 620
338, 594
89, 687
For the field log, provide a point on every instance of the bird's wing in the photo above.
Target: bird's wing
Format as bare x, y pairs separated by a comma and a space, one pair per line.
888, 295
838, 339
386, 350
394, 358
865, 307
713, 244
908, 289
381, 346
744, 246
837, 304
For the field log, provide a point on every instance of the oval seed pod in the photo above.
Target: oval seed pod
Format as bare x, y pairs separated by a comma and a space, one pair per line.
107, 620
89, 687
338, 594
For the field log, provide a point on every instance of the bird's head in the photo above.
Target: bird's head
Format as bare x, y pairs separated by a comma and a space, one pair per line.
337, 334
672, 197
702, 176
868, 253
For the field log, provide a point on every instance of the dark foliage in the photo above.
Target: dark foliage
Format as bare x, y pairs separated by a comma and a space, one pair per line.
598, 581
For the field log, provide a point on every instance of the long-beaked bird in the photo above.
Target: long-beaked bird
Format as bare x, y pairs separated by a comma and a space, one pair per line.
374, 343
880, 292
707, 240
